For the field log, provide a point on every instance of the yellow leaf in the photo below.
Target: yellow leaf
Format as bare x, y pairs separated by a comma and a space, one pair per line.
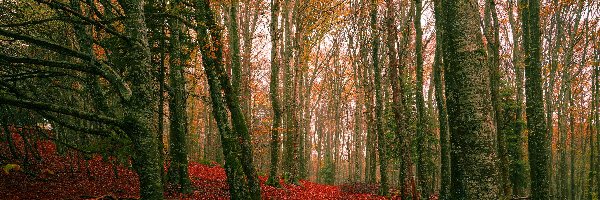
8, 167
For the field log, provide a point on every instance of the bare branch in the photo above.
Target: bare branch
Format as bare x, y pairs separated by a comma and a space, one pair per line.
42, 106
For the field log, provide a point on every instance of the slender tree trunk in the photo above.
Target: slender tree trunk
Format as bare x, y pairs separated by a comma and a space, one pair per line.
440, 99
358, 130
538, 140
492, 35
422, 173
518, 167
549, 94
381, 146
371, 159
234, 45
273, 90
248, 20
572, 147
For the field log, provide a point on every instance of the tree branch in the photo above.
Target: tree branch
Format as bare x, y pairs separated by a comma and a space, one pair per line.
42, 106
100, 132
49, 63
60, 6
46, 44
105, 70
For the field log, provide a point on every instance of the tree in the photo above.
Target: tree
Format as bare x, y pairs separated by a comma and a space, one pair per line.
440, 99
538, 136
492, 35
235, 139
470, 117
514, 140
422, 165
381, 145
137, 100
178, 167
273, 90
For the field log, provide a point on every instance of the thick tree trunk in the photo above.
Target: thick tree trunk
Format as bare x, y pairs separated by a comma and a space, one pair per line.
470, 117
156, 36
290, 151
139, 111
178, 167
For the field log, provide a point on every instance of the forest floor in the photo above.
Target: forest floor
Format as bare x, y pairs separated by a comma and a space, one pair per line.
72, 177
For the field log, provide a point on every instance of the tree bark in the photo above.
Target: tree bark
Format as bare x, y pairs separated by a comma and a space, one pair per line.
422, 172
381, 145
440, 99
470, 117
539, 138
139, 110
235, 140
518, 176
492, 35
178, 167
273, 90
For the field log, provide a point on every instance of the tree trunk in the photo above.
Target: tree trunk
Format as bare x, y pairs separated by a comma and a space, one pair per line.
518, 167
381, 146
178, 168
470, 117
492, 33
422, 173
273, 91
440, 99
235, 141
538, 141
139, 110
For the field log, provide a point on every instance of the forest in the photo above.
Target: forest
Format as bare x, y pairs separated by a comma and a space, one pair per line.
300, 99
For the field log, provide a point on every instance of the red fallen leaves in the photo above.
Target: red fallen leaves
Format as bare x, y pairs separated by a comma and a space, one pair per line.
72, 177
211, 183
68, 177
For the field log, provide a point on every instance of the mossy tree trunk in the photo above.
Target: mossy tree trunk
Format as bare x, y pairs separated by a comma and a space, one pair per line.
538, 141
492, 34
470, 117
273, 91
440, 99
381, 146
178, 167
235, 139
139, 111
422, 134
515, 140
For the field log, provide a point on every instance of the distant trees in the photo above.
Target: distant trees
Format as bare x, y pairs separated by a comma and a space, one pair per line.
348, 93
